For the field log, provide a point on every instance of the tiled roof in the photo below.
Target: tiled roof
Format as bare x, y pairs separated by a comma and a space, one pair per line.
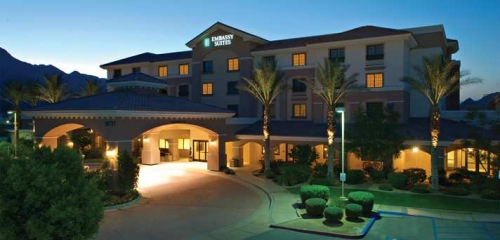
151, 57
357, 33
132, 100
416, 129
137, 76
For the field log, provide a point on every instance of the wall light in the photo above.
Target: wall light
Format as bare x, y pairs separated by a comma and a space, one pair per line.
415, 149
213, 142
70, 144
111, 153
146, 139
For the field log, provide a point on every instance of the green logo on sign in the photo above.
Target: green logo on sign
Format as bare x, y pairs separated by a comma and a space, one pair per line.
206, 42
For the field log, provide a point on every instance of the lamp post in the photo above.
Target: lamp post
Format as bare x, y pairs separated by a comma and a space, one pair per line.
16, 132
342, 174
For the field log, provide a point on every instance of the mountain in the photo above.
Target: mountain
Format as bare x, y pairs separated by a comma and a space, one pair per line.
12, 68
487, 102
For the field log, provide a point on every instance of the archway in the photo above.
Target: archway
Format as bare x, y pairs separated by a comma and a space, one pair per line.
413, 157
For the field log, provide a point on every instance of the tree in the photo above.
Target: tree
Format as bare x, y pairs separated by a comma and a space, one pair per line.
436, 81
32, 93
128, 172
45, 195
332, 86
375, 135
54, 89
265, 86
13, 93
91, 87
304, 154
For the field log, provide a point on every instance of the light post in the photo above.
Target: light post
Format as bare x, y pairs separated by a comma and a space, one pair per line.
342, 174
16, 132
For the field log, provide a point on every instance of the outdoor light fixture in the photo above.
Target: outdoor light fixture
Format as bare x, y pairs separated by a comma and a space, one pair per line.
213, 142
342, 175
70, 144
146, 139
111, 153
415, 149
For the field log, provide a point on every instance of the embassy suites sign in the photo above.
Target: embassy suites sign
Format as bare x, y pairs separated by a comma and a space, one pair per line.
219, 40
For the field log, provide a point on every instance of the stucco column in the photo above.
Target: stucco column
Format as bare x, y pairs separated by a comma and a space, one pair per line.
49, 142
150, 149
173, 147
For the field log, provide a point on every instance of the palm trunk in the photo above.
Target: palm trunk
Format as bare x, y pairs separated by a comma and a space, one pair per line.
435, 127
267, 141
330, 131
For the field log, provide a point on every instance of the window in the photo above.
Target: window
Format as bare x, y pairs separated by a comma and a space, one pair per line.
298, 85
374, 52
183, 91
299, 110
207, 89
337, 54
117, 73
234, 108
268, 59
163, 144
374, 80
136, 70
183, 69
232, 89
207, 67
233, 64
162, 71
183, 143
299, 59
374, 108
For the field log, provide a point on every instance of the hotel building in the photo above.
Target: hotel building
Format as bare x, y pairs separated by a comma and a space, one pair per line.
186, 104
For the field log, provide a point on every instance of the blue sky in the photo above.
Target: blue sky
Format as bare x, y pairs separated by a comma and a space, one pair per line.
81, 35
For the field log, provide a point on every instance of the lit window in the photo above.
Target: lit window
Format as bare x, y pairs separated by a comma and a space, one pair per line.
183, 69
207, 89
233, 64
299, 59
136, 70
374, 52
299, 110
374, 80
163, 144
232, 89
183, 143
207, 67
162, 71
337, 54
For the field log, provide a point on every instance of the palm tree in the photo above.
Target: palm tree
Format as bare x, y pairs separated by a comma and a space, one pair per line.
12, 93
54, 89
435, 82
32, 93
265, 86
91, 87
332, 86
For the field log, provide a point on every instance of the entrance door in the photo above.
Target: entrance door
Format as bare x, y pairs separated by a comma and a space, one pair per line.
200, 150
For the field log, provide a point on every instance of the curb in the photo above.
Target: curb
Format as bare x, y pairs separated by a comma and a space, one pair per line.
124, 205
431, 217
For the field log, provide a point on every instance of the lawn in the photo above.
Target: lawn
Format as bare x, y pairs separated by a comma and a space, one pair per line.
431, 201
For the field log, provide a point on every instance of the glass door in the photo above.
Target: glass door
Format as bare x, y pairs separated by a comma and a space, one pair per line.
200, 150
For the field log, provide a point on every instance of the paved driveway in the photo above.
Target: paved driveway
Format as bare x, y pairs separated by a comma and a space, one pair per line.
180, 202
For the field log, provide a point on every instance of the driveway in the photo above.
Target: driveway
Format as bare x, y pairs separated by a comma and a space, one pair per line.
181, 200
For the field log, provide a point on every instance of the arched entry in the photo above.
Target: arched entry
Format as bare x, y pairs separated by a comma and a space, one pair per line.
70, 134
413, 157
178, 142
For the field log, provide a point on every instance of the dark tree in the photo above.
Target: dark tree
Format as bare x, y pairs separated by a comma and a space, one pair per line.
45, 195
128, 172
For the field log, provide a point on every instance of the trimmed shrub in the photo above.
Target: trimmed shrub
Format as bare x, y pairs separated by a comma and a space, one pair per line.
456, 191
355, 176
490, 194
128, 172
321, 181
315, 206
492, 184
478, 180
275, 165
292, 174
456, 177
376, 176
365, 199
420, 188
415, 175
385, 187
334, 214
320, 170
353, 211
398, 180
314, 191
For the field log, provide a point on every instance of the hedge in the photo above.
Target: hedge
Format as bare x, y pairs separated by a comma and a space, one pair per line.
355, 176
292, 174
456, 191
353, 210
314, 191
398, 180
364, 199
334, 214
315, 206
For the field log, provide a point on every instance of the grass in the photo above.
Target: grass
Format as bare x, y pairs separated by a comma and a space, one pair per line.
431, 201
